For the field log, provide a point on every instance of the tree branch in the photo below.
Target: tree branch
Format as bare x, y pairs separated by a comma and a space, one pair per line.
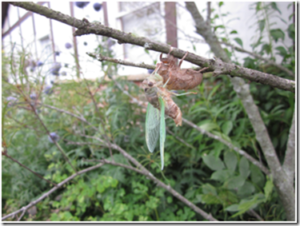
85, 27
290, 73
289, 159
285, 189
208, 13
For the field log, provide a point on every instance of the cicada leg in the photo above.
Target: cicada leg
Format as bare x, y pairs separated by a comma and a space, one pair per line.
171, 49
167, 81
180, 62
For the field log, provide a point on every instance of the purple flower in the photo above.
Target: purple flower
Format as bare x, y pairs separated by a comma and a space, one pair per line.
53, 137
32, 96
39, 63
68, 45
55, 69
97, 6
81, 4
48, 89
11, 99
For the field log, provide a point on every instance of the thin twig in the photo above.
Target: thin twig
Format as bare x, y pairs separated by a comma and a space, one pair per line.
47, 194
101, 58
208, 13
23, 212
253, 213
35, 173
81, 118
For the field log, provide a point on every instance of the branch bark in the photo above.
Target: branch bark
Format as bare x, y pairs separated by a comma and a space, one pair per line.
285, 189
289, 159
85, 27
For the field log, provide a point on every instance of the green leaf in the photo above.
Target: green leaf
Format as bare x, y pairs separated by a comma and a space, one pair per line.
208, 126
257, 176
258, 6
221, 175
246, 190
210, 199
235, 182
268, 188
227, 127
244, 167
219, 26
247, 204
282, 51
152, 203
213, 162
274, 6
194, 47
213, 91
261, 24
222, 135
239, 41
229, 53
233, 32
266, 48
232, 208
208, 189
230, 160
291, 31
220, 4
249, 62
277, 34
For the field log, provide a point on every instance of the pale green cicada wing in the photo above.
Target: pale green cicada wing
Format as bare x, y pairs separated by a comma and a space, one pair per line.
162, 131
152, 127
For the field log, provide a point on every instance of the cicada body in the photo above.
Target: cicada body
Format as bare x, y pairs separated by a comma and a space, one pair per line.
176, 78
153, 92
160, 104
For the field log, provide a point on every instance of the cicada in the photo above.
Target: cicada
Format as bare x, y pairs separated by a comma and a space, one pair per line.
176, 78
160, 105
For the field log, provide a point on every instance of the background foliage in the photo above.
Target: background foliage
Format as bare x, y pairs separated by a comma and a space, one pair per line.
204, 171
